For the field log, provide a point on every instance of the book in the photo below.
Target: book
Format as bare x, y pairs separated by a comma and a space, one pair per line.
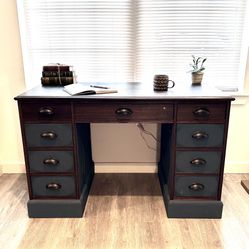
82, 89
56, 68
56, 81
57, 74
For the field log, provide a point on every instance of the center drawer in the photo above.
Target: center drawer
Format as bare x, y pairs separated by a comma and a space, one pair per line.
42, 135
123, 112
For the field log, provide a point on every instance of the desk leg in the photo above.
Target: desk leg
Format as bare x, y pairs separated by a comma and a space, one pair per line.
180, 208
189, 208
83, 174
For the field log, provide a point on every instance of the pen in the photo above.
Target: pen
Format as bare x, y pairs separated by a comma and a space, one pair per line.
103, 87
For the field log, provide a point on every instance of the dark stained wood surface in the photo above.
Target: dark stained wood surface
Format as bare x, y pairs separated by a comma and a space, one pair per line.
132, 90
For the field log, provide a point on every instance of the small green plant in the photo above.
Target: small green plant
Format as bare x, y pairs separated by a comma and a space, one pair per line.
197, 65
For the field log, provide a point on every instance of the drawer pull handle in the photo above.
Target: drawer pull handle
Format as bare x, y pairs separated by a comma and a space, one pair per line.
198, 135
196, 187
198, 162
48, 135
123, 112
201, 113
53, 186
50, 161
46, 111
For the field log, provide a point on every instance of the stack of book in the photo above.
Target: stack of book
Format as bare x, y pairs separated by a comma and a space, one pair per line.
57, 75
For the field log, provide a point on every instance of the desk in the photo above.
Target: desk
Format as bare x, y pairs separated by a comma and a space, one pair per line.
57, 145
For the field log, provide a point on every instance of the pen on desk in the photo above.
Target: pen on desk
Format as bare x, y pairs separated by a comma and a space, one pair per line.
102, 87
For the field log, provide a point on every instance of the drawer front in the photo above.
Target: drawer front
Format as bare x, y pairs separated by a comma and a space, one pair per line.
123, 112
196, 186
202, 112
51, 161
198, 161
200, 135
46, 111
55, 186
42, 135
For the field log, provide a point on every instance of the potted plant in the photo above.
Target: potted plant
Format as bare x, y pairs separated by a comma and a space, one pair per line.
197, 69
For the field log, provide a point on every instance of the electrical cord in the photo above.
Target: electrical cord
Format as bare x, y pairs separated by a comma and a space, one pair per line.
143, 131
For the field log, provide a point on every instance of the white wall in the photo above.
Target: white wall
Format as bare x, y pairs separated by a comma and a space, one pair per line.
116, 146
11, 83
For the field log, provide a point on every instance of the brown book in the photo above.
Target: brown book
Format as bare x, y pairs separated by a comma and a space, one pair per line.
57, 81
57, 74
56, 68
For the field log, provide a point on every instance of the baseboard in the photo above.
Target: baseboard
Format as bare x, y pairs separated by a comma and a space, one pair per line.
19, 167
13, 167
125, 168
237, 167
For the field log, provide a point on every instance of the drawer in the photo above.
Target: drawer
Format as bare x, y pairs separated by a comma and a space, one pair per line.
196, 186
123, 112
201, 112
45, 111
198, 161
56, 186
200, 135
42, 135
51, 161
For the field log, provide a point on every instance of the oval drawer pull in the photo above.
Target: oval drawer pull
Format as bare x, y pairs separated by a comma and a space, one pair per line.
123, 112
198, 162
198, 135
50, 161
48, 135
201, 113
46, 111
53, 186
196, 187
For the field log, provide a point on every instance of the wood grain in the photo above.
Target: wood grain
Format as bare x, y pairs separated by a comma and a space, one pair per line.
123, 211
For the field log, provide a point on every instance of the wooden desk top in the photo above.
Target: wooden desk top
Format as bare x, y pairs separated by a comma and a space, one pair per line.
133, 91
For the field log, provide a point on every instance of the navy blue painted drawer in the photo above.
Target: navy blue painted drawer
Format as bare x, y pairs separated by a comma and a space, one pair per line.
198, 161
196, 186
51, 161
42, 135
200, 135
55, 186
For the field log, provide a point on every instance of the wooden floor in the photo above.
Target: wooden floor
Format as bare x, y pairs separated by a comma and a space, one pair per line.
123, 211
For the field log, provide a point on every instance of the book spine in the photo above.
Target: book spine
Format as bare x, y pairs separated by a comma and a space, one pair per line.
57, 81
57, 74
56, 68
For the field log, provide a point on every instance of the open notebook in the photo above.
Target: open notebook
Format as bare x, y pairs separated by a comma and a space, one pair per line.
83, 89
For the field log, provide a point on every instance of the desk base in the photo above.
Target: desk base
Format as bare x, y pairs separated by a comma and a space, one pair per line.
190, 208
67, 208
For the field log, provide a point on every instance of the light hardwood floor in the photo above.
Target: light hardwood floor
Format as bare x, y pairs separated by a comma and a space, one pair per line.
123, 211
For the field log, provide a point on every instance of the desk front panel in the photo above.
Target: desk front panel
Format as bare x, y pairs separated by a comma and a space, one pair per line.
142, 111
